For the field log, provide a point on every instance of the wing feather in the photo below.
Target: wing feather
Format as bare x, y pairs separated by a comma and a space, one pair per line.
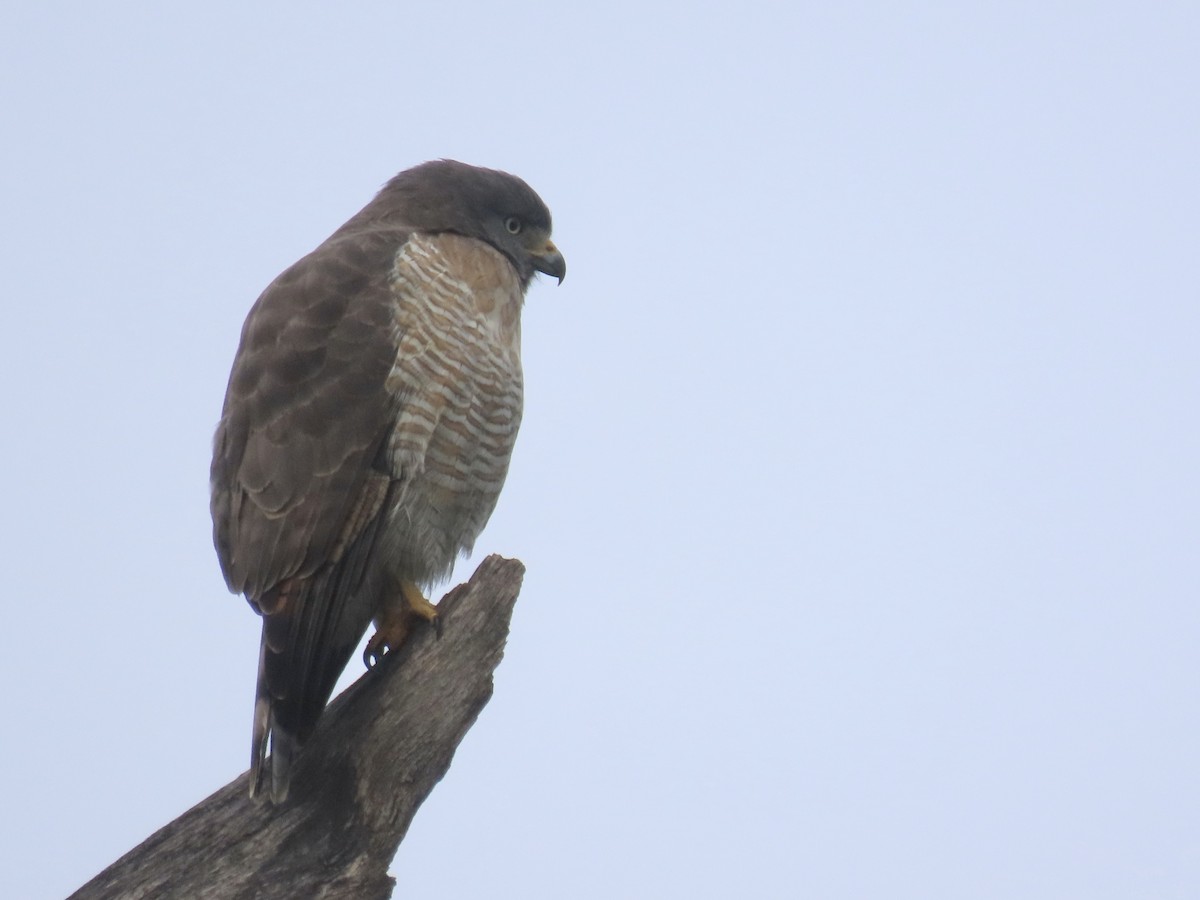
305, 414
299, 479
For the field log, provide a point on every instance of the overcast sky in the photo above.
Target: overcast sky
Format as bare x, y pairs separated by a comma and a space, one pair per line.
857, 485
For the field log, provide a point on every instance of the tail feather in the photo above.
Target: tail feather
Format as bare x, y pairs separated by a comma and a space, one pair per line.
271, 773
258, 745
295, 678
310, 628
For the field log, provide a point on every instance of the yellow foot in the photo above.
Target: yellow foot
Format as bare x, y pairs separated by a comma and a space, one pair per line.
419, 606
394, 621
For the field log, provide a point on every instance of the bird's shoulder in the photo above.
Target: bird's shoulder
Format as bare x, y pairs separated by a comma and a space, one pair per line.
306, 411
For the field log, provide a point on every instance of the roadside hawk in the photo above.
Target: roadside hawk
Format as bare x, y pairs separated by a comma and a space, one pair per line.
367, 428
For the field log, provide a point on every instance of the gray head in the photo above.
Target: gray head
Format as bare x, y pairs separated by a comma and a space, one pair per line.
493, 206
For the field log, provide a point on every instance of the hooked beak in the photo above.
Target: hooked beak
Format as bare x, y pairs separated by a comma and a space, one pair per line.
549, 261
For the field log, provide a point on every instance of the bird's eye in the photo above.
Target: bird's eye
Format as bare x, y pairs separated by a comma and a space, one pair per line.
513, 224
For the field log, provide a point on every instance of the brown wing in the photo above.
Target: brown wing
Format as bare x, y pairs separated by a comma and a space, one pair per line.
296, 490
305, 414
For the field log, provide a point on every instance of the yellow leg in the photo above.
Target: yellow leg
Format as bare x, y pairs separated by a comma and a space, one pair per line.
394, 621
418, 605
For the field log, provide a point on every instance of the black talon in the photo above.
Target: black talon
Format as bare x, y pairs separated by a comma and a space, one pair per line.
371, 658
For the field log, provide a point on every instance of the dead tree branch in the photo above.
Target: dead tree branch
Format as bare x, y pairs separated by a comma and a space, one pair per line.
377, 753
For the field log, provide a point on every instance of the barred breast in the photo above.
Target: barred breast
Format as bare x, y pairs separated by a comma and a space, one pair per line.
458, 386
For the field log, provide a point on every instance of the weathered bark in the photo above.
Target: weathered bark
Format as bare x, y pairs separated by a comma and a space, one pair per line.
377, 753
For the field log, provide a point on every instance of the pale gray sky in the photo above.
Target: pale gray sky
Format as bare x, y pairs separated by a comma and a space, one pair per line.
857, 484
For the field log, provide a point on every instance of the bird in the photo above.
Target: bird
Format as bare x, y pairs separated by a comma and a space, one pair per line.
367, 428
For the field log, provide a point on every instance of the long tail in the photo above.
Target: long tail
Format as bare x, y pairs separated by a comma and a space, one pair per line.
310, 628
309, 631
268, 732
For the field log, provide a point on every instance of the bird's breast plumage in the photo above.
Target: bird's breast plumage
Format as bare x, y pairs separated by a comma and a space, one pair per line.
458, 388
